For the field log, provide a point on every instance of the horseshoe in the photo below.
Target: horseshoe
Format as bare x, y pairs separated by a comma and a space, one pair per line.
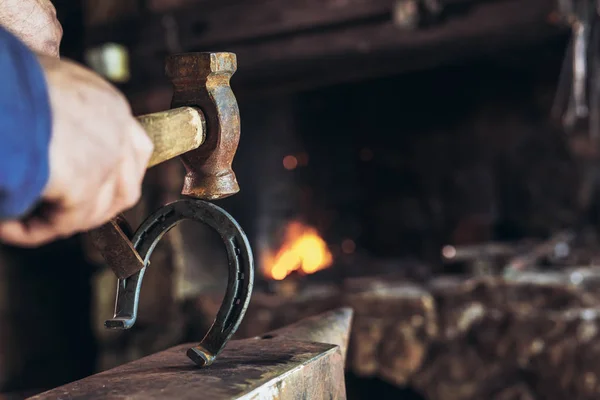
239, 285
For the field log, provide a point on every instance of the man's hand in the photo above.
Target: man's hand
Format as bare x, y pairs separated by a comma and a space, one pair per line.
98, 157
34, 22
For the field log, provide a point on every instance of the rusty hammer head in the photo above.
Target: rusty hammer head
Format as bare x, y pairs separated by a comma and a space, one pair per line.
201, 80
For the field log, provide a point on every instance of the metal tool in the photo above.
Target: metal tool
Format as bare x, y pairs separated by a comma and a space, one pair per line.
203, 128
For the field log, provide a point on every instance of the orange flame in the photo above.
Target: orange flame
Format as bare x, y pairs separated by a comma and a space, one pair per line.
303, 249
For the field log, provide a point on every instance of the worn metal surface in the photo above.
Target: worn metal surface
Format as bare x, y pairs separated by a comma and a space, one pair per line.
332, 327
202, 80
284, 365
241, 272
248, 369
113, 241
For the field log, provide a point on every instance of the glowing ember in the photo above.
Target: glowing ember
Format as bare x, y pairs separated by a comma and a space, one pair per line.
303, 250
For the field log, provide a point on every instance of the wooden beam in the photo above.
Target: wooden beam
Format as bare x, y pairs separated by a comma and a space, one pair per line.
216, 23
487, 25
357, 52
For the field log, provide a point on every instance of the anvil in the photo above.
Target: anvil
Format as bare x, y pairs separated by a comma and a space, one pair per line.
301, 361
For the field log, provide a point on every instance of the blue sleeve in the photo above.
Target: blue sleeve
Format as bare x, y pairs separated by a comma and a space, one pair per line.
25, 128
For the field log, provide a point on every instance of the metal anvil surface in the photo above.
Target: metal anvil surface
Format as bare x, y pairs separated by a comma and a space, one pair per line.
302, 361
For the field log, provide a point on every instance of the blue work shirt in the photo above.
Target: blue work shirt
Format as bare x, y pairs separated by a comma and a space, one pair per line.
25, 128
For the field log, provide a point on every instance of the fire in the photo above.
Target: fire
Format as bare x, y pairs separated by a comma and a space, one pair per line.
302, 249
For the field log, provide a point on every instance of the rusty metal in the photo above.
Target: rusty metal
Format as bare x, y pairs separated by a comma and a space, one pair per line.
241, 272
113, 241
202, 80
288, 364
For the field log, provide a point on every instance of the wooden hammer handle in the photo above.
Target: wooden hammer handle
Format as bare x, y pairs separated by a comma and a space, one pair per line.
173, 132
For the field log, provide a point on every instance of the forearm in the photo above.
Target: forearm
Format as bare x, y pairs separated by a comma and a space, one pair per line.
25, 128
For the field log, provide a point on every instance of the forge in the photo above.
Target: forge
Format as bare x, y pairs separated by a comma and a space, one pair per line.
414, 161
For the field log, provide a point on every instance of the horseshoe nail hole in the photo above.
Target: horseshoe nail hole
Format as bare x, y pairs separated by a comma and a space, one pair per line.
267, 337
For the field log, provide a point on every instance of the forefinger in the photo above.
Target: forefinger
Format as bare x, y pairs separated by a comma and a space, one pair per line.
32, 233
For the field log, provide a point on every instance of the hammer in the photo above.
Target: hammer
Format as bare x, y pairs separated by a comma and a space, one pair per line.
202, 128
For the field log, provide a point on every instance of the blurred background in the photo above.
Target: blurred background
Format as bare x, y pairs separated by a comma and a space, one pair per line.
431, 163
